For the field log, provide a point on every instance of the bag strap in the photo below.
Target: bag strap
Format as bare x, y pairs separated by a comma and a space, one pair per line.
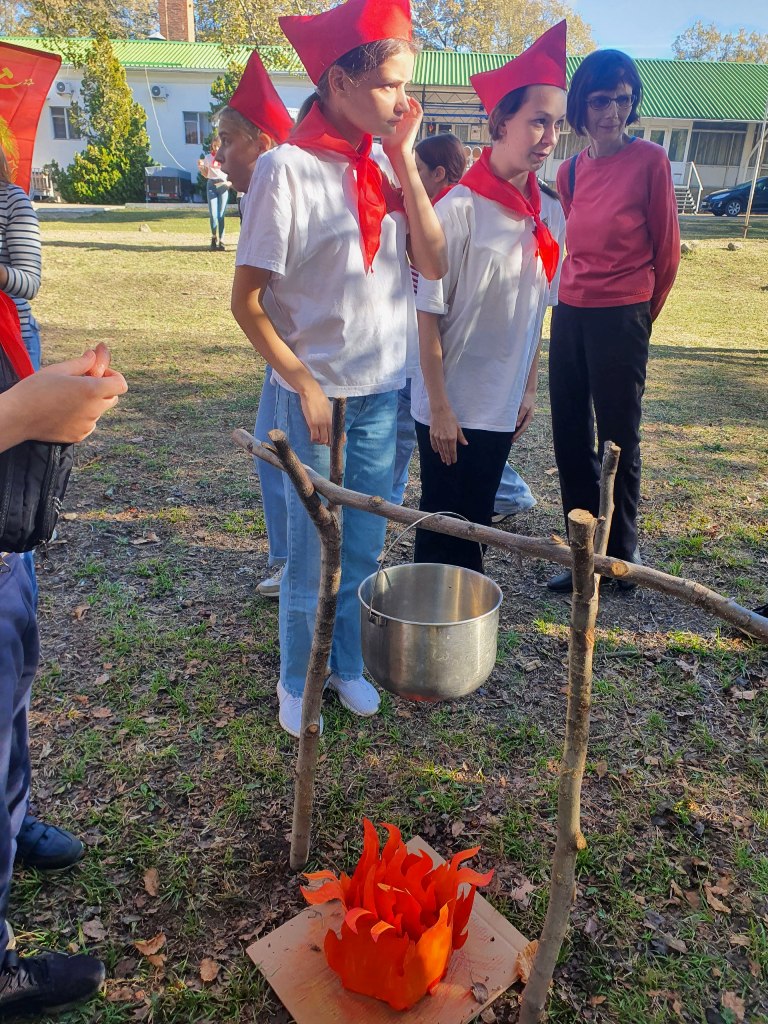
10, 338
572, 174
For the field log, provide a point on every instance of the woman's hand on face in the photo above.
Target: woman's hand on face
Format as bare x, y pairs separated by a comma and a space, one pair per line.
404, 138
318, 412
445, 435
525, 415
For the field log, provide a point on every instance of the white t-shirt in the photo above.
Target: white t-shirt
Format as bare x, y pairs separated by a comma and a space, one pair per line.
492, 303
350, 328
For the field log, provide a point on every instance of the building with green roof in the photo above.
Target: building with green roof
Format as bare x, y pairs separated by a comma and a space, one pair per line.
707, 115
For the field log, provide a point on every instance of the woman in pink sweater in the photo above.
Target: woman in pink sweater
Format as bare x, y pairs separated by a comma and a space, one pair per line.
623, 250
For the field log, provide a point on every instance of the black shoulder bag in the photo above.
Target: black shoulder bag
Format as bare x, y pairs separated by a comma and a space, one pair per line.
33, 479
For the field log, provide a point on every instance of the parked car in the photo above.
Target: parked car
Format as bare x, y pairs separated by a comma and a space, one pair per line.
733, 201
168, 183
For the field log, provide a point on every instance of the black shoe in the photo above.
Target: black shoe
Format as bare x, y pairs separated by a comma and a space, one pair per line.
222, 247
214, 243
562, 583
762, 610
46, 847
33, 985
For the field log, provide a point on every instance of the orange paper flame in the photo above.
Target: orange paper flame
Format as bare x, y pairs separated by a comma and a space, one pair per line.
404, 918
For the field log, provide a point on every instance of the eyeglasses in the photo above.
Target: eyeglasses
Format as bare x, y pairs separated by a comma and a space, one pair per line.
623, 103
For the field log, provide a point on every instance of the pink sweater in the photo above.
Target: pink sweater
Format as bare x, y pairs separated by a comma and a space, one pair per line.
622, 233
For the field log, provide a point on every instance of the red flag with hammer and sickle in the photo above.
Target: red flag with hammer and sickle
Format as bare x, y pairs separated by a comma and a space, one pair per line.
25, 78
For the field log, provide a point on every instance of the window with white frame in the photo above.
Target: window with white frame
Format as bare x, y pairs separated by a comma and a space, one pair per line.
64, 125
196, 126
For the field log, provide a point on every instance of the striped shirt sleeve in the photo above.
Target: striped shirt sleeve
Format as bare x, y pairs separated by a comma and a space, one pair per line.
20, 249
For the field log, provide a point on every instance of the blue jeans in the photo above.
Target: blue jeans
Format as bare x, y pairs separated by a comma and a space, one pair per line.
271, 479
19, 652
369, 462
406, 442
514, 494
217, 195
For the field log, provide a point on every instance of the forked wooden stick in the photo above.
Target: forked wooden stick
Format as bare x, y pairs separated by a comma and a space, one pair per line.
583, 531
327, 522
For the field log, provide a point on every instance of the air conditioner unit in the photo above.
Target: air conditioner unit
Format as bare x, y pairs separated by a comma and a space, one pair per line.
64, 88
159, 92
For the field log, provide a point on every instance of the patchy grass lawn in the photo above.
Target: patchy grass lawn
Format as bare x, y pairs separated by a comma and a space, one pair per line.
154, 731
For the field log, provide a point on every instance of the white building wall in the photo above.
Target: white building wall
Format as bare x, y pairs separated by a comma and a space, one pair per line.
186, 91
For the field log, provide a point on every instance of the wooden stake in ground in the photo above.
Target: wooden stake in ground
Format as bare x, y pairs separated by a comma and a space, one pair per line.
581, 530
327, 522
569, 836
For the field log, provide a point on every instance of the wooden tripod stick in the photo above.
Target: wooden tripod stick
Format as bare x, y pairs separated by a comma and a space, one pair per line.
584, 531
328, 525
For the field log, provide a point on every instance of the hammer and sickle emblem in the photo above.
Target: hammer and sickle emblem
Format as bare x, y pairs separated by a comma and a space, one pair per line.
7, 73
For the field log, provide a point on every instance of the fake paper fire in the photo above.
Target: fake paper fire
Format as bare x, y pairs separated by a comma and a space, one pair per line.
404, 918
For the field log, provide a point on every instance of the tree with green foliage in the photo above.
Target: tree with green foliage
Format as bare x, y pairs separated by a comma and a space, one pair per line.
115, 18
706, 42
111, 167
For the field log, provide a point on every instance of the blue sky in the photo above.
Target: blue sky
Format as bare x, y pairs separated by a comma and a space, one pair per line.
647, 28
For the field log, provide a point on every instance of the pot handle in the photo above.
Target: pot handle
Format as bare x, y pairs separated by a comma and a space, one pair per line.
372, 615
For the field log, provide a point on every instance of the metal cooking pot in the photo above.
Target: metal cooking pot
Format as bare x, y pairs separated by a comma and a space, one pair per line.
429, 631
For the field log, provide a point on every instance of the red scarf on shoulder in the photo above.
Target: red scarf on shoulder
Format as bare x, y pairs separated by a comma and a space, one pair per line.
481, 179
10, 338
375, 194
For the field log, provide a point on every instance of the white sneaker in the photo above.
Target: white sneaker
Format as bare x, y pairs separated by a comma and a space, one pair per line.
357, 695
270, 587
290, 712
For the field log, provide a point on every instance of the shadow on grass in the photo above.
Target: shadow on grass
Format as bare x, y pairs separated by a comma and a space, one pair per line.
149, 245
703, 226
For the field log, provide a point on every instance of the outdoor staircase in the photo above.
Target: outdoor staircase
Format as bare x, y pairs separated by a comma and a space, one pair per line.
686, 203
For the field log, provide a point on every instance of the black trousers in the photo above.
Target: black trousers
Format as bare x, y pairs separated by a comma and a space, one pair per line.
597, 366
468, 487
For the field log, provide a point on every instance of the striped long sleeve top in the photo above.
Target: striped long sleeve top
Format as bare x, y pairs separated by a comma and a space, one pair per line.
20, 251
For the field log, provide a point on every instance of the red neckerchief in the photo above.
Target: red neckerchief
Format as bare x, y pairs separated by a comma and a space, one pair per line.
375, 195
481, 179
10, 338
443, 192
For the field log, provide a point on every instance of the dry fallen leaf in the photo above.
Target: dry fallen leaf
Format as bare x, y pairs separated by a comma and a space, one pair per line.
480, 992
738, 940
152, 881
551, 471
525, 960
209, 970
597, 1000
457, 828
121, 994
101, 680
157, 959
714, 902
673, 942
94, 929
601, 769
743, 694
522, 892
693, 898
149, 946
735, 1004
101, 713
80, 611
148, 538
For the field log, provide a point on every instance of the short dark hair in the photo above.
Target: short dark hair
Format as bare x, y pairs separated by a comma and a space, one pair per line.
506, 107
444, 150
602, 70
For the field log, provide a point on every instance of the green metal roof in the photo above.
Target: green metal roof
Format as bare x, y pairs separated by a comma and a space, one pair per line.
700, 90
